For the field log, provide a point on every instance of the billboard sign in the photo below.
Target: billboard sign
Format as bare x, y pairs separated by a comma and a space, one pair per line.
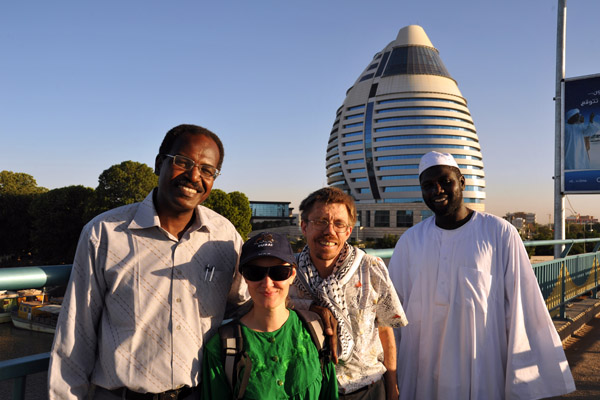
581, 135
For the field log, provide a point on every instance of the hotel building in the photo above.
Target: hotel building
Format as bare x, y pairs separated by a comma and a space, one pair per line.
404, 104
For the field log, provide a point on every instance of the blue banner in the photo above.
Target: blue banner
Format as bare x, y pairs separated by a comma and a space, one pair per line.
581, 135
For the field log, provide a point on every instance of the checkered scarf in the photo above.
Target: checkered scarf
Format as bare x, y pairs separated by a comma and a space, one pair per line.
329, 291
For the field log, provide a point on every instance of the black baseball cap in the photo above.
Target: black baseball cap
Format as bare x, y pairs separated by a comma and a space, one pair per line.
267, 244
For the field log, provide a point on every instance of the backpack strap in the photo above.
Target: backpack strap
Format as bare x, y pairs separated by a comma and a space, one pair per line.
312, 322
235, 359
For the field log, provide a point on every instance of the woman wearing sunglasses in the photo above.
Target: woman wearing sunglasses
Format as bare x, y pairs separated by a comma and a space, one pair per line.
284, 360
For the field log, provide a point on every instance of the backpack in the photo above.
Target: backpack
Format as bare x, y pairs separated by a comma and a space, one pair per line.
236, 360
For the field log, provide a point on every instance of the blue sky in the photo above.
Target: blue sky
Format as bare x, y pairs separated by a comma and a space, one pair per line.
86, 85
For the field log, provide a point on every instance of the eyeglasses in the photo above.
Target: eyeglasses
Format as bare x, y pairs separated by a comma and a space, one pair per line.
255, 273
321, 224
206, 171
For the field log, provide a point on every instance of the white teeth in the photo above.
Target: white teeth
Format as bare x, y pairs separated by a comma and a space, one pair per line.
327, 243
189, 190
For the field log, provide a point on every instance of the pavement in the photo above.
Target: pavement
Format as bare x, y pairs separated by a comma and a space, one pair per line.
580, 335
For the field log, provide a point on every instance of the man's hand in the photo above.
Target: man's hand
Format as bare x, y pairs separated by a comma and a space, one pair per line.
330, 324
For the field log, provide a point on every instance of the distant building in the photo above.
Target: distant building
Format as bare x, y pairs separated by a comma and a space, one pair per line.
528, 218
269, 214
403, 105
581, 219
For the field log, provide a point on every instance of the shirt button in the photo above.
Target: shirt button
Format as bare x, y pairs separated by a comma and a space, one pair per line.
178, 327
275, 358
279, 382
178, 300
271, 339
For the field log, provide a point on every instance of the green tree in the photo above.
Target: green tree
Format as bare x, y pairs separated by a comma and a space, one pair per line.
58, 217
125, 183
18, 183
17, 191
234, 206
388, 241
15, 228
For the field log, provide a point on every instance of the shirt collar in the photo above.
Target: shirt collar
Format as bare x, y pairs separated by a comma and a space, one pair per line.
147, 217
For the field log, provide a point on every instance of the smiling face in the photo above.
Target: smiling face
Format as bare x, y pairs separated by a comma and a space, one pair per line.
442, 189
325, 244
180, 191
267, 293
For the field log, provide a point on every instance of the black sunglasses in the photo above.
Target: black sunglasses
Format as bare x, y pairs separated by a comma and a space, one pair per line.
255, 273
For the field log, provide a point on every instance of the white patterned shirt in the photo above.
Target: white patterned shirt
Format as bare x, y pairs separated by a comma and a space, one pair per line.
140, 303
372, 302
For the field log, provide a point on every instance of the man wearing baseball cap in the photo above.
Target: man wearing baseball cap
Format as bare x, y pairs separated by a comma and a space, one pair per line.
479, 326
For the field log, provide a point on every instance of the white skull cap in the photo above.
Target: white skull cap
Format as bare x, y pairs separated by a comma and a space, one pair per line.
571, 112
434, 158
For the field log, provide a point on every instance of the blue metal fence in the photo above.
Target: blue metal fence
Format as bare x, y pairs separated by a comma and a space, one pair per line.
561, 280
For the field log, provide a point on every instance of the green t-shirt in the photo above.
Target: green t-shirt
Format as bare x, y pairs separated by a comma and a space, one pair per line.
285, 365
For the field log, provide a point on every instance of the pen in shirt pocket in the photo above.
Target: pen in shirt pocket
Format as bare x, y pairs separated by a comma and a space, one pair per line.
209, 271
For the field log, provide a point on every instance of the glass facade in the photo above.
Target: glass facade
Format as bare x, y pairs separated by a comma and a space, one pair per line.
415, 60
404, 218
399, 119
270, 209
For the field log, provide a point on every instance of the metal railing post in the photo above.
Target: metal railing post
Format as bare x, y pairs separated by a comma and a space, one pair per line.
19, 388
563, 273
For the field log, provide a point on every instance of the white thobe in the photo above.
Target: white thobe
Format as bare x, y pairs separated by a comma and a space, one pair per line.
479, 327
576, 155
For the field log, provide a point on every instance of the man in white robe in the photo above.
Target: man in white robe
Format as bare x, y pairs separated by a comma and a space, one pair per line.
577, 140
479, 328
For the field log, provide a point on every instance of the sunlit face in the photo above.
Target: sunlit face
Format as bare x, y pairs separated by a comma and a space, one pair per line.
442, 189
326, 244
180, 191
267, 293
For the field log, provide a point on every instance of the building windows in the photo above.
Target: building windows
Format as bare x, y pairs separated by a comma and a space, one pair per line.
356, 107
353, 125
353, 152
356, 170
399, 157
415, 60
359, 179
364, 190
402, 189
359, 161
394, 177
404, 218
368, 76
367, 218
405, 127
406, 99
426, 214
355, 116
350, 134
391, 167
411, 117
426, 146
382, 218
422, 108
353, 143
407, 137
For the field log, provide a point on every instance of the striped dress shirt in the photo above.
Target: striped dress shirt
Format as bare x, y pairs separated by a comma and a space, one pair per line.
140, 303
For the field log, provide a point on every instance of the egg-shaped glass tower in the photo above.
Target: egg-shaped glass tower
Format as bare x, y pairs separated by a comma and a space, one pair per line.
404, 104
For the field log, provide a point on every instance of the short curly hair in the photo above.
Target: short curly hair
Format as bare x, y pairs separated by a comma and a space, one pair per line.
183, 129
328, 195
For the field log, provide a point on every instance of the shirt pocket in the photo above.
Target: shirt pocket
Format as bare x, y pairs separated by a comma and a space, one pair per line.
474, 287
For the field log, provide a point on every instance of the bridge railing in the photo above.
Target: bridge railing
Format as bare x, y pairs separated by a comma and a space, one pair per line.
561, 280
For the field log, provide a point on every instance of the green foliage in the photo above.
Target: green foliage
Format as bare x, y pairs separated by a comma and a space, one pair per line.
387, 242
18, 183
15, 227
234, 206
125, 183
58, 217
